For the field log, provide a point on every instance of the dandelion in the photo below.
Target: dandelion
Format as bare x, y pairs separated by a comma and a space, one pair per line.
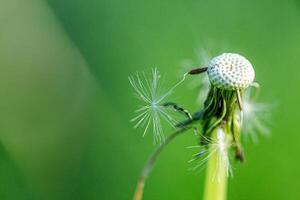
226, 113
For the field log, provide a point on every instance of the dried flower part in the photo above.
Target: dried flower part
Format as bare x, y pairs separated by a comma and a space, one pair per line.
230, 71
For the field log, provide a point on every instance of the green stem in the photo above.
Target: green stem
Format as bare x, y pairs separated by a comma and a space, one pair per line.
216, 175
138, 195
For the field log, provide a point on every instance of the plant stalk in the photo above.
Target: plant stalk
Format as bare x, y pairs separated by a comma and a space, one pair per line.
138, 195
216, 175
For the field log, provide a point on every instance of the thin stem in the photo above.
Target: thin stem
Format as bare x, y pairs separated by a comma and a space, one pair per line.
216, 175
147, 168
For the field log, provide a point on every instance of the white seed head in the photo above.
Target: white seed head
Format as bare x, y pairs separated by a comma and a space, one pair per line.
230, 71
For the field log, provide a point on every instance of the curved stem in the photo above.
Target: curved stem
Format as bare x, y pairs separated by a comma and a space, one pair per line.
147, 168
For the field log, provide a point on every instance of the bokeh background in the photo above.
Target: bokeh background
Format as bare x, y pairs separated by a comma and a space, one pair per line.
65, 100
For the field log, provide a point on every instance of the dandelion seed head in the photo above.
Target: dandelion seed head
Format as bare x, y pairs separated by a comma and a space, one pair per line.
230, 71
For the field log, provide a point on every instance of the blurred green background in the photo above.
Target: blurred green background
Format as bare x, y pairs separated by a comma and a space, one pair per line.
65, 101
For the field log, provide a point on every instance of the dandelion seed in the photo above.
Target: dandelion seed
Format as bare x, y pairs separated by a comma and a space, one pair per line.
256, 118
202, 59
204, 89
222, 145
217, 146
151, 114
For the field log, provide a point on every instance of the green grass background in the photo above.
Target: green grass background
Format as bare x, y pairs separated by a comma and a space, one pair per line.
65, 101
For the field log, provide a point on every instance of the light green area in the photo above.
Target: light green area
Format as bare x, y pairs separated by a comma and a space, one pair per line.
65, 100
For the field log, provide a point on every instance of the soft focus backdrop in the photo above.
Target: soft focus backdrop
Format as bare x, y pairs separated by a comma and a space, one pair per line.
65, 100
